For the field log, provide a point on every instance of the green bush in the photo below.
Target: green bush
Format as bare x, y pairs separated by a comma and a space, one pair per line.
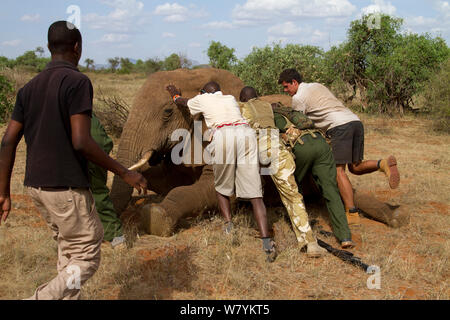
437, 98
386, 66
220, 56
262, 67
29, 60
6, 99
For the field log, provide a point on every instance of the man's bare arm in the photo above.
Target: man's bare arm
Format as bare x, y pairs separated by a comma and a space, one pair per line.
86, 145
176, 96
10, 140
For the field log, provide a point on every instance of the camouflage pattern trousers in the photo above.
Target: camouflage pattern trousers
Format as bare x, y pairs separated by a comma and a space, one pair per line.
282, 168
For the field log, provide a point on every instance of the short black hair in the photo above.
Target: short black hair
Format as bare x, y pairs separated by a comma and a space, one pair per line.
212, 87
247, 94
62, 37
289, 75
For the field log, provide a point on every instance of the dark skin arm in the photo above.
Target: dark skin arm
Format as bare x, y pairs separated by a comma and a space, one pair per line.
173, 91
83, 143
11, 139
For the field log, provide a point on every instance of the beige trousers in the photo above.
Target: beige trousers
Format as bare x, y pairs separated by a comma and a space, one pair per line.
72, 217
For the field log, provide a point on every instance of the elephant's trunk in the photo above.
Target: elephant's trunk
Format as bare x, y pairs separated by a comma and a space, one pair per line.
128, 154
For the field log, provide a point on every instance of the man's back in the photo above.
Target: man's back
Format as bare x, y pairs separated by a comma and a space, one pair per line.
318, 103
216, 108
44, 106
259, 113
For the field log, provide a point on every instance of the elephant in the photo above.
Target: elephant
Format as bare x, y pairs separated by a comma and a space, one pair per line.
188, 189
146, 141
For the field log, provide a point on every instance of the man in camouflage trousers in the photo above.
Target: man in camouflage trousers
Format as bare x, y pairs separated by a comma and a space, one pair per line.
260, 116
313, 153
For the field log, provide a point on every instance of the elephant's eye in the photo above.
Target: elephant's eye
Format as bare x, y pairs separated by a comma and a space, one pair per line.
167, 114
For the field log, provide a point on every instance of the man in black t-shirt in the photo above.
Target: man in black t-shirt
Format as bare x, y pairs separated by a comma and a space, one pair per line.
53, 112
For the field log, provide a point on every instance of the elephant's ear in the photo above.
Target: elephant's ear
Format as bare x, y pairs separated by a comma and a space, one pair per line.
196, 142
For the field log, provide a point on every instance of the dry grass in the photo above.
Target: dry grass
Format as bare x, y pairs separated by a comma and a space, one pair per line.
201, 263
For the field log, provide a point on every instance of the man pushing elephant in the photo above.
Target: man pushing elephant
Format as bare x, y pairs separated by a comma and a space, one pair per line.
237, 174
260, 116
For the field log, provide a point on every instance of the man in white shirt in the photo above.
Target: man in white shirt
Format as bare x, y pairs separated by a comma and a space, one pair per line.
235, 153
346, 131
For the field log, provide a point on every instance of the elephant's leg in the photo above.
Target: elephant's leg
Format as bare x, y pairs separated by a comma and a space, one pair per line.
161, 219
380, 211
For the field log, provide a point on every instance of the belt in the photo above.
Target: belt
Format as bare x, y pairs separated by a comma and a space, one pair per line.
59, 189
231, 125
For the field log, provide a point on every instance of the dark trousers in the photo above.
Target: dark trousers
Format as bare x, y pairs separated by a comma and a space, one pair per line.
316, 155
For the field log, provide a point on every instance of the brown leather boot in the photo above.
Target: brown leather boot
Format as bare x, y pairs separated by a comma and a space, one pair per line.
389, 167
353, 218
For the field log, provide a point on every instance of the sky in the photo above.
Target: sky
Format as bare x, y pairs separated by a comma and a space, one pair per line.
143, 29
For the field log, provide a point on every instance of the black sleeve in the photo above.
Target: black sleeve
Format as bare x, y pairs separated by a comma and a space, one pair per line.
18, 112
79, 97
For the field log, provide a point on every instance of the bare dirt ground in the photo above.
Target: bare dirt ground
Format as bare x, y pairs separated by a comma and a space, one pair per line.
199, 262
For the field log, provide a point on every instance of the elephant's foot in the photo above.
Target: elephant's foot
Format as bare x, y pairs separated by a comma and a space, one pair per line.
377, 210
399, 218
156, 221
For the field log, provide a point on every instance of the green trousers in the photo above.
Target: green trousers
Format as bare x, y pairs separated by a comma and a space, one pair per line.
98, 176
316, 155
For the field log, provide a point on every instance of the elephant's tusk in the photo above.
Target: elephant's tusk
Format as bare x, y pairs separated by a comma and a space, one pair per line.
143, 161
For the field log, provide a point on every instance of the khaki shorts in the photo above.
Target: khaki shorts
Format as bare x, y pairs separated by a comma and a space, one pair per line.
234, 153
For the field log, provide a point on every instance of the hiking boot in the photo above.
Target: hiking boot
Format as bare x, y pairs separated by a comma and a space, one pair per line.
313, 250
389, 167
353, 218
347, 244
271, 251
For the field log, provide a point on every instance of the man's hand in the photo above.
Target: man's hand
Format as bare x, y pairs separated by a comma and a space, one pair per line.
294, 132
173, 90
285, 137
136, 180
5, 204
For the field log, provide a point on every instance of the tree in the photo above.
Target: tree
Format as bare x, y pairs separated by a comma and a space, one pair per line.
40, 51
437, 96
262, 67
172, 62
114, 63
30, 60
153, 65
220, 56
185, 62
6, 99
89, 64
126, 66
6, 63
386, 66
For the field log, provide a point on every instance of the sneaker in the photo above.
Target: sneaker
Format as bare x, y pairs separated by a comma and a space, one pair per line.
119, 242
314, 250
389, 167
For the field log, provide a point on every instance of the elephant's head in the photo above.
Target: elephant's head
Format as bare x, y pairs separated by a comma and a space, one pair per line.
146, 136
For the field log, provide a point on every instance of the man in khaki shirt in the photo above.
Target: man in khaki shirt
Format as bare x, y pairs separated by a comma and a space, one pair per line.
346, 131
